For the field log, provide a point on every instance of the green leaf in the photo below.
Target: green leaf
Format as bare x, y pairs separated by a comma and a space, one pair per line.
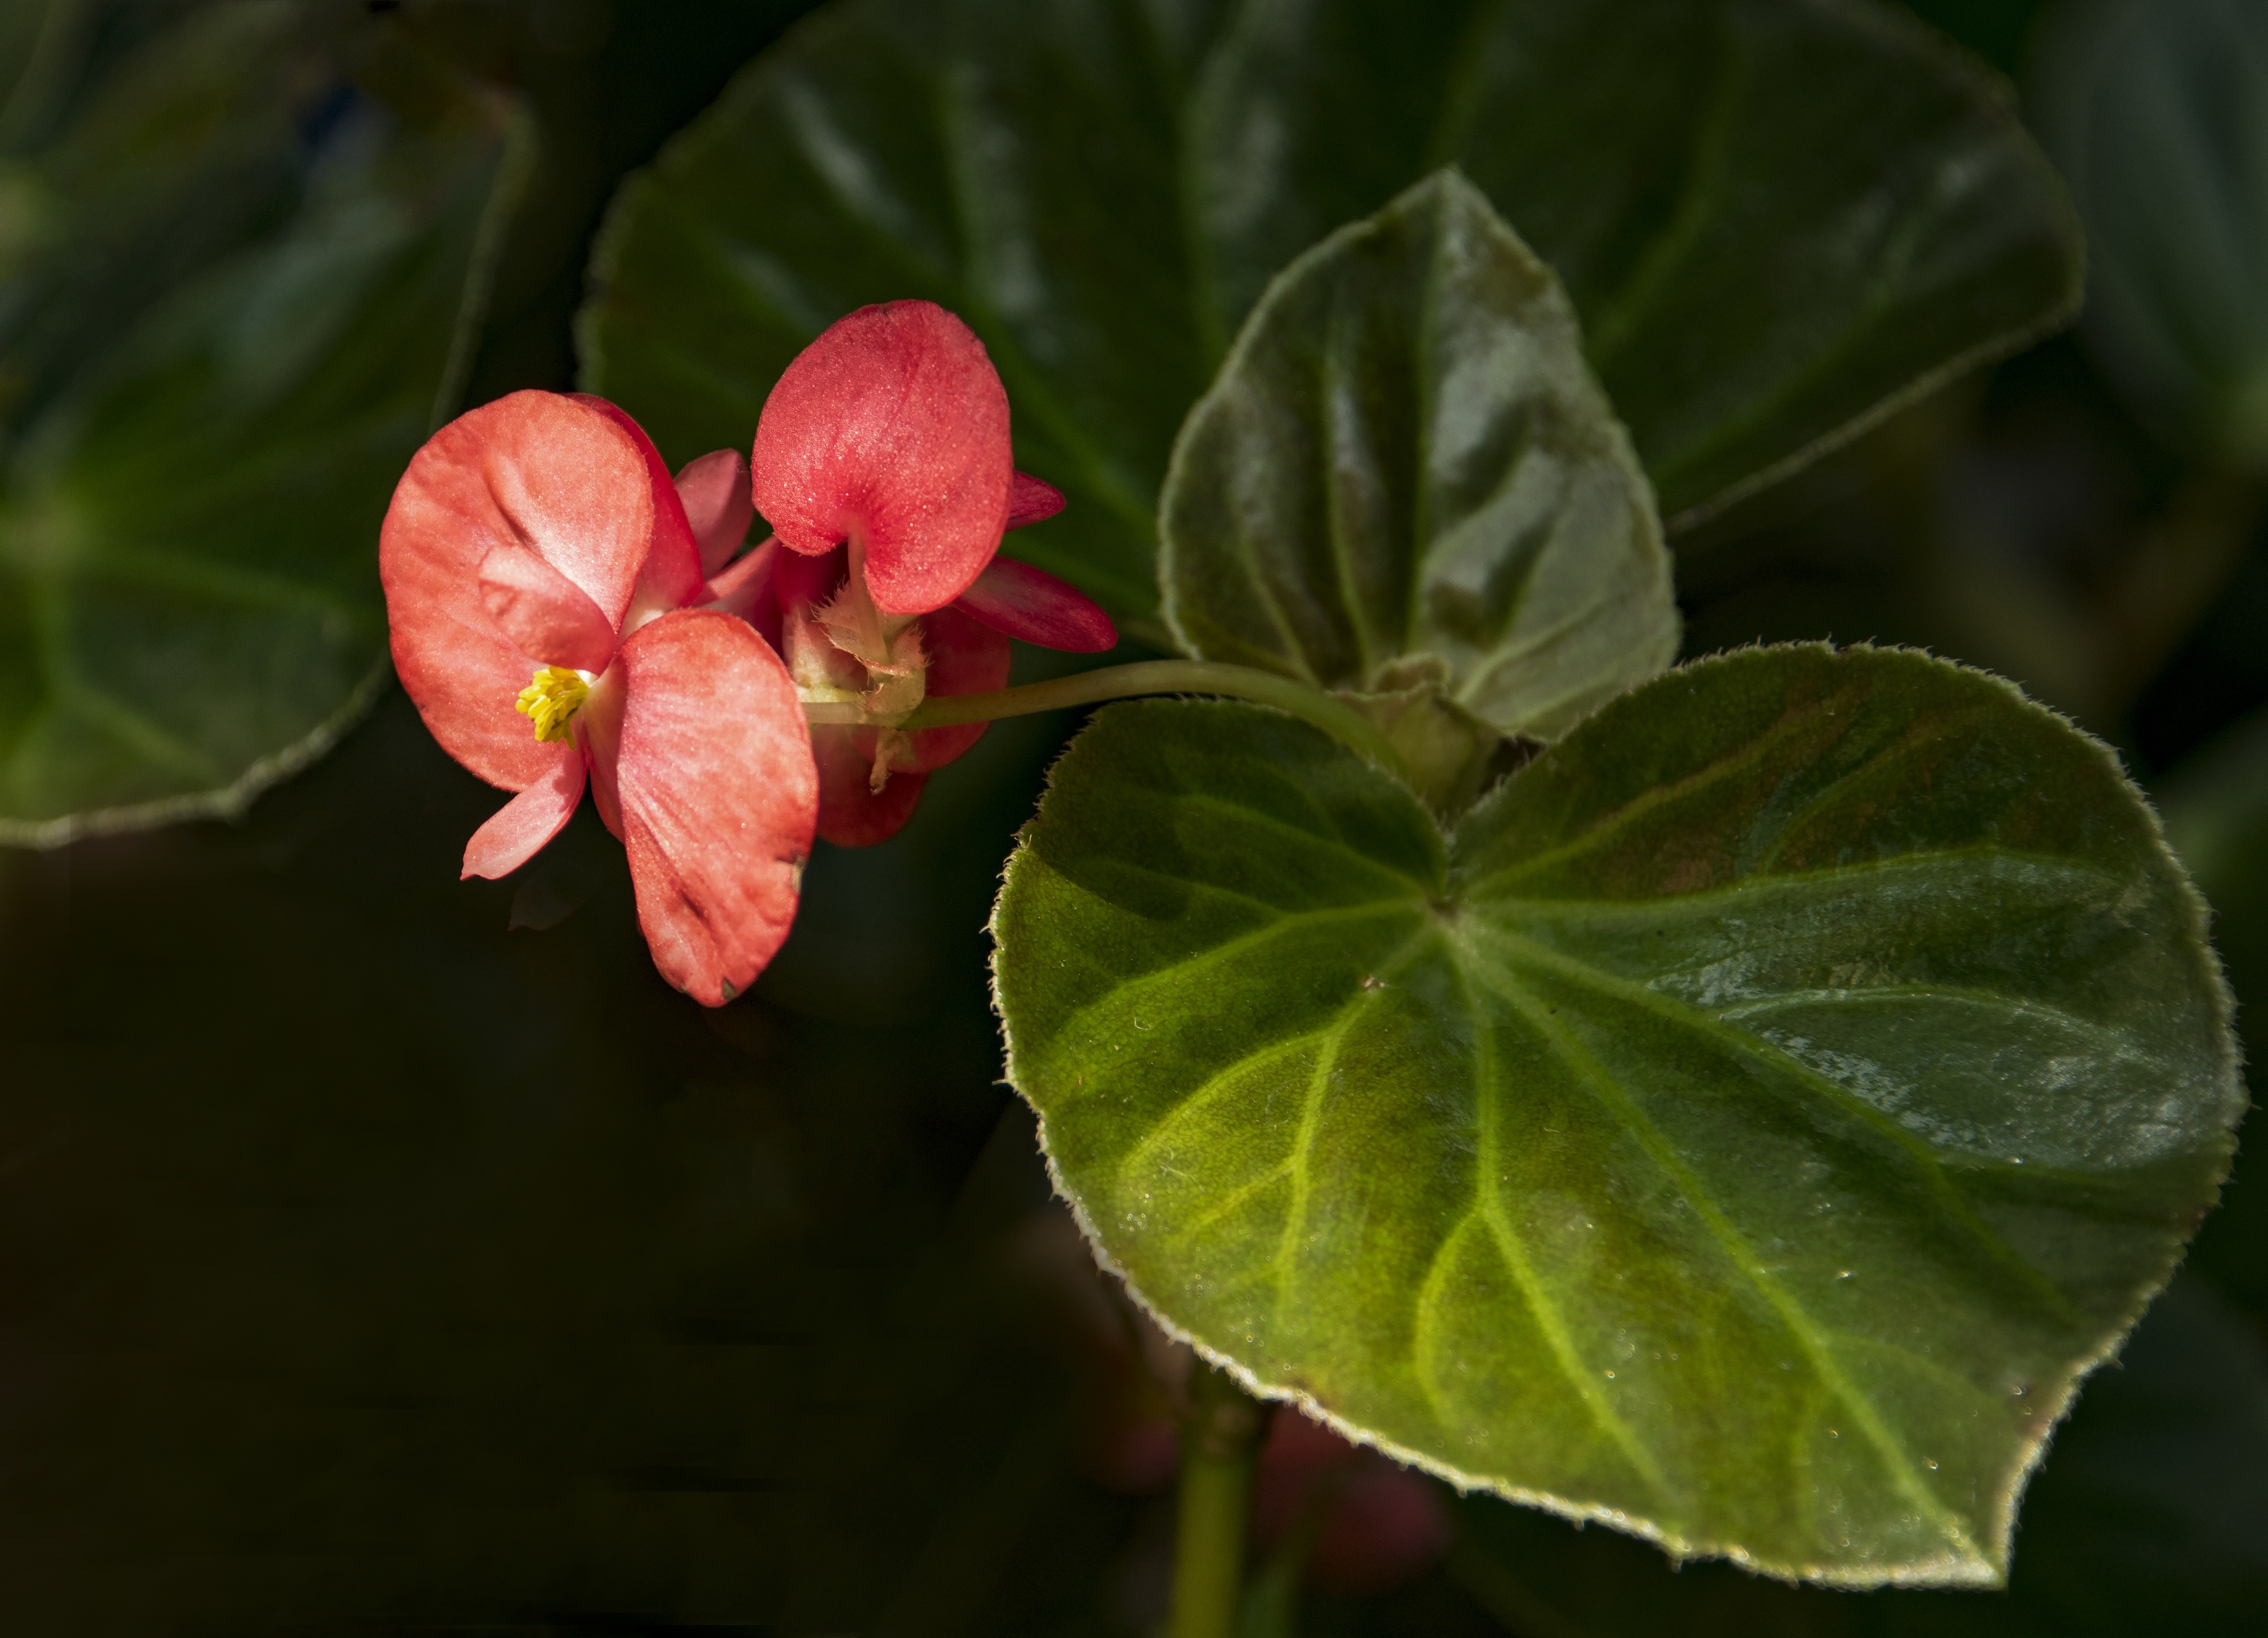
2150, 1514
1778, 220
239, 291
1405, 461
2153, 110
1743, 1130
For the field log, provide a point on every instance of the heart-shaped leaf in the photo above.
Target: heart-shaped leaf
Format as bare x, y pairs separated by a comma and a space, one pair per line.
1777, 217
246, 290
2157, 111
1744, 1129
1405, 463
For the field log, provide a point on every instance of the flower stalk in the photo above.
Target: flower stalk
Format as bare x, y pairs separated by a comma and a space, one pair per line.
1335, 717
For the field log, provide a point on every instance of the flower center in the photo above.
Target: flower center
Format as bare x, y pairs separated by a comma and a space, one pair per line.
552, 699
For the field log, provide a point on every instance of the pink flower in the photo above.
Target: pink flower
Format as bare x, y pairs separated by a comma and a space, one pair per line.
1376, 1525
883, 463
540, 571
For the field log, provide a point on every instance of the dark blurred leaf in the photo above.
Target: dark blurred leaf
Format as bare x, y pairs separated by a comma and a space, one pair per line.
236, 290
1743, 1128
1994, 29
1405, 472
1777, 219
2157, 113
2150, 1515
1011, 159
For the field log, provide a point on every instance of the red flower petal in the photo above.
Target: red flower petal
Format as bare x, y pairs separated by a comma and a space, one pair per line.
850, 813
804, 580
718, 797
715, 490
536, 470
750, 589
516, 832
1031, 603
543, 611
1032, 500
891, 429
673, 577
803, 586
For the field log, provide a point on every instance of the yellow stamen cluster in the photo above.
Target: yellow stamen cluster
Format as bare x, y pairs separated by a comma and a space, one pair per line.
552, 700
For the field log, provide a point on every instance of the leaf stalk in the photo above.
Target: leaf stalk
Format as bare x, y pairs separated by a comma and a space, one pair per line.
1220, 1443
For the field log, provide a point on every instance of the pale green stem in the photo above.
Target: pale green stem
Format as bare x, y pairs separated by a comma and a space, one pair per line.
1217, 1449
1335, 717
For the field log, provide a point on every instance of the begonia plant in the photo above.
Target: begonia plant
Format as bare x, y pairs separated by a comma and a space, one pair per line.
1565, 1077
1734, 1098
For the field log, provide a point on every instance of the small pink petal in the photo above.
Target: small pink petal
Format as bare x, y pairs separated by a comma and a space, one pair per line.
715, 490
803, 586
851, 814
543, 611
892, 430
673, 575
964, 658
539, 471
803, 580
718, 798
750, 589
516, 832
1034, 605
1032, 500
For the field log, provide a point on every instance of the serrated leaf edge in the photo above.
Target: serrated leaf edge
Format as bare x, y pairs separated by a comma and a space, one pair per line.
1949, 1571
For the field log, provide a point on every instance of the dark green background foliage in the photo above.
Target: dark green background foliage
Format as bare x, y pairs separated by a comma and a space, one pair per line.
380, 1252
235, 287
2152, 108
1104, 188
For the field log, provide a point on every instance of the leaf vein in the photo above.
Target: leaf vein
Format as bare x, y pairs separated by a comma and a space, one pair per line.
1740, 1043
1513, 1249
1813, 1341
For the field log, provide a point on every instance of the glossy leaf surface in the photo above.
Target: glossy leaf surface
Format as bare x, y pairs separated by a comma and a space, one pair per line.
2157, 113
250, 292
2150, 1514
1743, 1130
1775, 219
1779, 219
1405, 459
